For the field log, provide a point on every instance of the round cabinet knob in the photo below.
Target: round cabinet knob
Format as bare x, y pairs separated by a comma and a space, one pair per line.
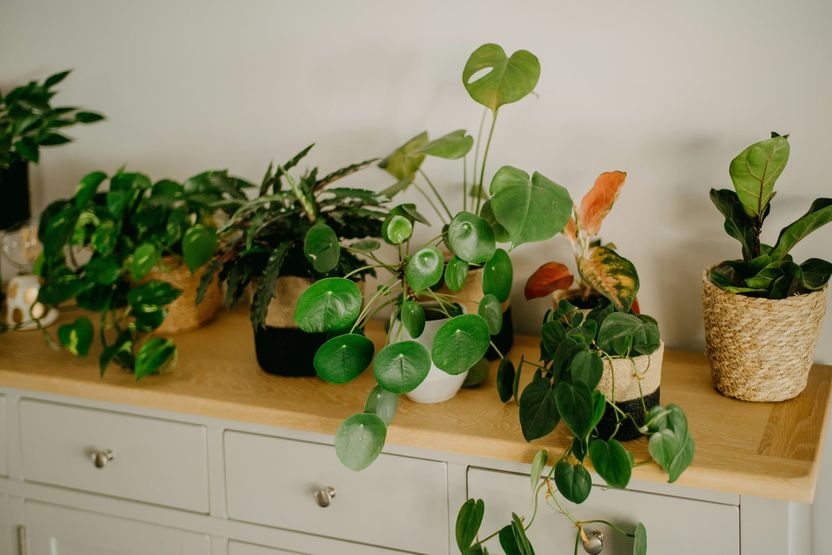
101, 458
323, 497
593, 541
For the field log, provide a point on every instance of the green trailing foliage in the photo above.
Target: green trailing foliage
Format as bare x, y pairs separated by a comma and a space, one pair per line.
766, 271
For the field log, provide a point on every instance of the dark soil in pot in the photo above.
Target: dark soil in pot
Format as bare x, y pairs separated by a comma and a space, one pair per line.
287, 351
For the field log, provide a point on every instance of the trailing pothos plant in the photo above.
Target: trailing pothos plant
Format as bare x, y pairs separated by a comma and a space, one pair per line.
764, 270
517, 209
28, 121
293, 227
603, 273
564, 388
100, 246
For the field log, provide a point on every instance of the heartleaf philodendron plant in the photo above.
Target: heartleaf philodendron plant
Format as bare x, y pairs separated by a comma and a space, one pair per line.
764, 270
517, 209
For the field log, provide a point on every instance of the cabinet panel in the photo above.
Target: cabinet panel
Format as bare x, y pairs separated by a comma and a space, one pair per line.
54, 530
397, 502
674, 525
7, 534
238, 548
157, 461
4, 448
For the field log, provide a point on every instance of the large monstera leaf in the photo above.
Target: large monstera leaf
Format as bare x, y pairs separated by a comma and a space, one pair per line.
611, 275
754, 172
597, 203
493, 79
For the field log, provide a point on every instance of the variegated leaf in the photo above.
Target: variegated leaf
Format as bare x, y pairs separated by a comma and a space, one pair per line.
611, 275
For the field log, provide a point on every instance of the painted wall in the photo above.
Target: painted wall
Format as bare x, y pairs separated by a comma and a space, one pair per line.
667, 91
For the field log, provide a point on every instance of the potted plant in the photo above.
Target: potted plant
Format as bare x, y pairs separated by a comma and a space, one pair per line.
267, 247
28, 121
567, 388
436, 336
763, 312
105, 250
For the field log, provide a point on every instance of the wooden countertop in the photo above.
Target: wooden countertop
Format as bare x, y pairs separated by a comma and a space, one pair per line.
761, 449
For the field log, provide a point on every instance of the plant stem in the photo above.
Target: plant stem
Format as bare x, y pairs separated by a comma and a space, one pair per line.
435, 192
465, 183
477, 150
361, 269
484, 160
427, 198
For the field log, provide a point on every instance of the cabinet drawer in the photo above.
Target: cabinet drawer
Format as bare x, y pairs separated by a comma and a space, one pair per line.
397, 502
4, 449
238, 548
674, 525
156, 461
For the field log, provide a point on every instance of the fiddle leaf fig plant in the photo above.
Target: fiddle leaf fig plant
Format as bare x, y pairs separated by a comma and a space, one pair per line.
766, 271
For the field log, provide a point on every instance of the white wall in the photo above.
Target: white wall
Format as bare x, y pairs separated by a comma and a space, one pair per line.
668, 91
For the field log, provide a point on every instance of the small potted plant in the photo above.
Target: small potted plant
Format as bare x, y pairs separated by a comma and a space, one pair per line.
567, 388
267, 251
763, 312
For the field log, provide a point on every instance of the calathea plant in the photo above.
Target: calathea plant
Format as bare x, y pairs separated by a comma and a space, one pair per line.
100, 247
764, 270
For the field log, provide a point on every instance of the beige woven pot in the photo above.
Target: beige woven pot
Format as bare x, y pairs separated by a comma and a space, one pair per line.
184, 314
641, 375
761, 349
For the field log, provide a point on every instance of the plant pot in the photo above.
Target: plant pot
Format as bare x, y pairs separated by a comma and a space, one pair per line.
620, 383
14, 185
470, 296
576, 297
761, 349
184, 314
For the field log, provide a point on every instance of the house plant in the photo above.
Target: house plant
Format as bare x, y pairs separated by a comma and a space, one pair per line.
267, 245
763, 312
566, 388
434, 338
103, 250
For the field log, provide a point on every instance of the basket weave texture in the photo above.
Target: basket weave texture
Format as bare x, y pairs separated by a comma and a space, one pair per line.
184, 314
761, 349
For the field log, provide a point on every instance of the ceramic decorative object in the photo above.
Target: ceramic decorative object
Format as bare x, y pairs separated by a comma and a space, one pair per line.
23, 312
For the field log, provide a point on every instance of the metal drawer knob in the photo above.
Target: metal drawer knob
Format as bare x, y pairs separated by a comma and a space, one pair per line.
593, 541
323, 497
101, 458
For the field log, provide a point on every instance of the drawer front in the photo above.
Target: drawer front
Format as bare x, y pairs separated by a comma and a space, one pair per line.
4, 448
237, 548
156, 461
5, 525
674, 525
397, 502
54, 530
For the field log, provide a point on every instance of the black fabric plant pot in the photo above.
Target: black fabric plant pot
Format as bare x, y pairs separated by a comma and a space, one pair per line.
628, 429
287, 351
14, 188
503, 340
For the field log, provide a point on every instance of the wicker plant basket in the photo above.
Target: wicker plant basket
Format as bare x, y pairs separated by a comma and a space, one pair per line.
761, 349
184, 314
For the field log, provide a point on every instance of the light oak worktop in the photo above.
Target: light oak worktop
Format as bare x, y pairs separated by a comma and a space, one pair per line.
761, 449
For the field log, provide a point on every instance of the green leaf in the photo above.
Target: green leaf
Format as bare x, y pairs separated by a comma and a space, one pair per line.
456, 272
424, 269
331, 304
670, 444
497, 276
117, 202
468, 522
153, 355
611, 462
401, 367
359, 440
153, 293
322, 248
530, 209
27, 148
640, 543
599, 405
538, 464
343, 358
409, 211
491, 311
413, 318
819, 214
56, 78
144, 259
524, 547
266, 287
452, 146
198, 245
460, 343
404, 162
507, 541
396, 229
505, 380
477, 374
382, 403
88, 117
493, 79
738, 224
587, 367
574, 482
87, 188
470, 238
103, 270
77, 336
538, 409
575, 406
54, 139
366, 245
611, 275
816, 273
619, 331
754, 172
487, 214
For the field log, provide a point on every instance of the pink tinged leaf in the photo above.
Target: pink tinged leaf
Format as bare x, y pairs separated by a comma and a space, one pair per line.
611, 275
571, 230
597, 203
547, 279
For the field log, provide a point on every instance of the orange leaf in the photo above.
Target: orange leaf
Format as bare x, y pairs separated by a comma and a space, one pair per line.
548, 278
571, 230
597, 203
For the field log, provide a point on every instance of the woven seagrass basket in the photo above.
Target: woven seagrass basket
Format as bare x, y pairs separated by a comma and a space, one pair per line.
184, 314
761, 349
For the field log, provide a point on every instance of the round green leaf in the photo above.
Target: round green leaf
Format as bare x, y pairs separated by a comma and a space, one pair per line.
470, 238
611, 462
331, 304
493, 79
382, 403
321, 247
359, 440
456, 272
497, 276
144, 259
366, 245
413, 318
424, 269
198, 245
401, 367
574, 482
538, 409
396, 229
460, 343
477, 374
153, 355
77, 336
342, 358
492, 312
587, 367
